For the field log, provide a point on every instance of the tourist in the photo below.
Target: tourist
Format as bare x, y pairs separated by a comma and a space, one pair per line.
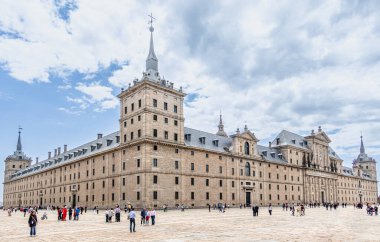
117, 213
77, 211
257, 210
129, 207
107, 215
209, 208
132, 220
125, 208
70, 213
253, 209
85, 209
147, 216
44, 216
110, 214
270, 209
153, 216
94, 210
59, 213
283, 207
64, 213
142, 214
241, 205
32, 223
25, 212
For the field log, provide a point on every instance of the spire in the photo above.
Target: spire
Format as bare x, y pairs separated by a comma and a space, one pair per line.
151, 60
221, 127
19, 146
362, 151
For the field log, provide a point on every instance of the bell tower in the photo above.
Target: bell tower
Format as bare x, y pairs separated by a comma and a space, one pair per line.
17, 161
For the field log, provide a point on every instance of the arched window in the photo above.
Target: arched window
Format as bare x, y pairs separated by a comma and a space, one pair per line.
246, 148
247, 169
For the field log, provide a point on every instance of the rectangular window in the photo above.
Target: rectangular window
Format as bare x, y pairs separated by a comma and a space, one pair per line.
155, 179
175, 137
206, 168
220, 169
154, 132
113, 182
176, 195
113, 167
132, 106
233, 171
138, 162
125, 110
176, 180
123, 181
192, 195
233, 183
166, 120
220, 183
175, 123
166, 134
175, 109
104, 184
125, 124
165, 106
155, 195
139, 133
192, 181
138, 180
221, 196
104, 169
154, 117
123, 196
207, 182
113, 196
123, 166
192, 166
155, 162
155, 103
131, 135
207, 196
131, 120
138, 195
233, 196
139, 103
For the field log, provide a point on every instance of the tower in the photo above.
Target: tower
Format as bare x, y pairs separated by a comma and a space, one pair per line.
151, 123
368, 164
17, 161
221, 127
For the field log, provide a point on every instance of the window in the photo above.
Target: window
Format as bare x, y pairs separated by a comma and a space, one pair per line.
176, 165
123, 181
125, 138
155, 162
166, 120
207, 168
192, 166
220, 183
246, 148
166, 134
154, 132
139, 103
221, 196
155, 103
132, 106
138, 195
220, 169
207, 182
175, 108
192, 195
176, 195
138, 180
113, 182
139, 133
104, 184
123, 196
155, 179
233, 171
176, 180
165, 106
125, 124
138, 162
233, 183
131, 120
113, 167
207, 196
247, 169
154, 117
125, 110
175, 123
192, 181
175, 137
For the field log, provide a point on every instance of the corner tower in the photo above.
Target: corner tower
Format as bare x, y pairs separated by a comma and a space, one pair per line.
17, 161
367, 163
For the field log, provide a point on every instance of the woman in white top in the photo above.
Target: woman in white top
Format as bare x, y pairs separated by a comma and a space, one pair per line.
270, 209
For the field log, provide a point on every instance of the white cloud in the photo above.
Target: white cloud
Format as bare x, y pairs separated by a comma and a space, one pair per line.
96, 94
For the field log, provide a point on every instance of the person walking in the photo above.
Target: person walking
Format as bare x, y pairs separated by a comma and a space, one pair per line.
270, 209
257, 210
32, 223
142, 214
70, 213
153, 216
132, 218
77, 211
117, 213
107, 215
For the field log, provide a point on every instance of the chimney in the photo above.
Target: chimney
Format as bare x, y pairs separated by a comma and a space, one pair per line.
49, 154
65, 148
36, 160
59, 150
55, 152
100, 136
270, 144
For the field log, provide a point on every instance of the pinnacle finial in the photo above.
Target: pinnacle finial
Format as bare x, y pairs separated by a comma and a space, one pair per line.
362, 150
151, 60
19, 146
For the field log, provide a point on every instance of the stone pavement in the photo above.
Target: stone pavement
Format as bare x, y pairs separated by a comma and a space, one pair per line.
344, 224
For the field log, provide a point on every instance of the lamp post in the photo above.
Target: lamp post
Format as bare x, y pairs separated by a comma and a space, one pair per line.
360, 196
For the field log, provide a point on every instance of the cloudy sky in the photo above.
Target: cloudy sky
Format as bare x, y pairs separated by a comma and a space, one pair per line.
272, 65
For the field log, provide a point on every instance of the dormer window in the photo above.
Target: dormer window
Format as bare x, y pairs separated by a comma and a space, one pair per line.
279, 156
117, 139
293, 141
84, 150
273, 154
98, 145
75, 153
109, 142
202, 140
93, 147
264, 153
215, 142
70, 155
278, 141
188, 137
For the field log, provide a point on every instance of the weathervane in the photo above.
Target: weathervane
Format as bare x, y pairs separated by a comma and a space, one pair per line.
19, 129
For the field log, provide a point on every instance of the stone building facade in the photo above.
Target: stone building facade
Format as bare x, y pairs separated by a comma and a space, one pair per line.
154, 159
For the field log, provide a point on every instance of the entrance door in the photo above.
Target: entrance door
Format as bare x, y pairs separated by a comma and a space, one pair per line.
248, 198
323, 196
74, 201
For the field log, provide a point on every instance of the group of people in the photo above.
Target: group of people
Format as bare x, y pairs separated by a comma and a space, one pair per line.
372, 209
146, 215
110, 212
72, 212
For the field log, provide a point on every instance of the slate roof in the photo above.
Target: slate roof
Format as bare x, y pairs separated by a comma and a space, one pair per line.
288, 138
96, 146
271, 154
205, 140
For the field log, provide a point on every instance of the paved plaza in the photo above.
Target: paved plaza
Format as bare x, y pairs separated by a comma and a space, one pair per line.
344, 224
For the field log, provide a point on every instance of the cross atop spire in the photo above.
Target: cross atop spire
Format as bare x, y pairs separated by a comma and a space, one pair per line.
151, 60
19, 146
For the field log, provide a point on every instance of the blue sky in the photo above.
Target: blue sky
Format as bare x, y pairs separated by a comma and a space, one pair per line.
271, 65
